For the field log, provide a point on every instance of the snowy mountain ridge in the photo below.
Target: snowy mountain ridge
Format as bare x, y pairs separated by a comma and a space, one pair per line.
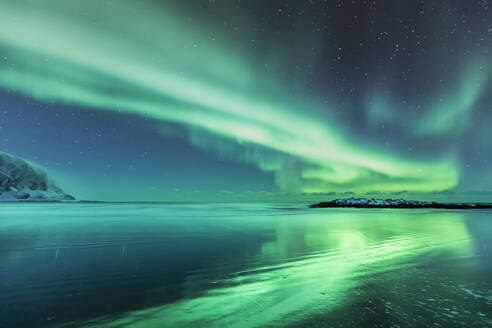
21, 180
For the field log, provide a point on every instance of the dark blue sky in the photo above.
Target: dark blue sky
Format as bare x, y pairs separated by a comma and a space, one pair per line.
250, 100
100, 155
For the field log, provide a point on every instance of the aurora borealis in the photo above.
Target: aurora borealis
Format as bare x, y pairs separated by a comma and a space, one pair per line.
168, 100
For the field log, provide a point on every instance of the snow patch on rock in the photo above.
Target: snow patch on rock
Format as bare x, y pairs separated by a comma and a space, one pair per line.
378, 202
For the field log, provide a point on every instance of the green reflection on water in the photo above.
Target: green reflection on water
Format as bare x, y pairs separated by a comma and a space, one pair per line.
337, 256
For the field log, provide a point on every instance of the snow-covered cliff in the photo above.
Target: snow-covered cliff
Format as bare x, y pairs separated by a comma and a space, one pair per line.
20, 180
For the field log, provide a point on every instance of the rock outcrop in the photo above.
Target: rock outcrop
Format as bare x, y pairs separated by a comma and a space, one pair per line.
394, 203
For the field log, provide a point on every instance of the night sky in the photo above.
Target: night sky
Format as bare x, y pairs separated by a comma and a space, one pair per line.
250, 100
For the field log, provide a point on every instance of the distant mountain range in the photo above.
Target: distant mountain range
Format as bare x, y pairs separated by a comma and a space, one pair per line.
23, 181
395, 203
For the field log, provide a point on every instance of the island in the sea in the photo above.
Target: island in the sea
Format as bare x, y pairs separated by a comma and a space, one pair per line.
395, 203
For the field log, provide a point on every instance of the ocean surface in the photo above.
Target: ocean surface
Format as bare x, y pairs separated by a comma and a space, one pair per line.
243, 265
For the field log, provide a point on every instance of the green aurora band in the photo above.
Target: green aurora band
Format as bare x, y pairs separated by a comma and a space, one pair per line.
165, 67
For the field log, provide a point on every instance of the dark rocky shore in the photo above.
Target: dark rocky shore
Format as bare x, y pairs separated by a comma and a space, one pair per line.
395, 203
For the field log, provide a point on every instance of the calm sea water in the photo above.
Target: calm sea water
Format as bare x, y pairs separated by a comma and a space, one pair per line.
247, 265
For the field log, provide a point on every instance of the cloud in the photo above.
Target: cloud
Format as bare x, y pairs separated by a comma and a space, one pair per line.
444, 192
477, 192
